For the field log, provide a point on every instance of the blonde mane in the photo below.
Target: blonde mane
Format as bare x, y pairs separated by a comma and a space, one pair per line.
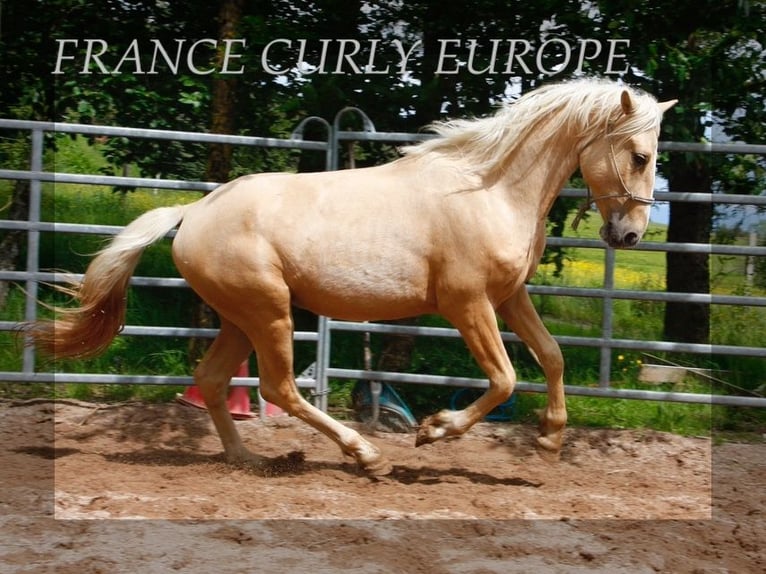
583, 109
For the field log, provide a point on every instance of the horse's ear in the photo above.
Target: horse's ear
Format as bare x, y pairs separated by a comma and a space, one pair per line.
626, 103
665, 106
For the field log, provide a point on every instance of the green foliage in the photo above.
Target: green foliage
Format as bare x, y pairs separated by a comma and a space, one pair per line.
687, 419
708, 54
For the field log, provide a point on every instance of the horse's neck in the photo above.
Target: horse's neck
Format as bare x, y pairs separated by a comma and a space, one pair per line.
538, 171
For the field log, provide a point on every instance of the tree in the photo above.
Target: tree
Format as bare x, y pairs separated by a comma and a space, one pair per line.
677, 50
694, 56
219, 159
224, 118
26, 94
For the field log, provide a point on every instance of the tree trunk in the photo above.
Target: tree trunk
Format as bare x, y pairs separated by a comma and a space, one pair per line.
223, 103
219, 159
688, 272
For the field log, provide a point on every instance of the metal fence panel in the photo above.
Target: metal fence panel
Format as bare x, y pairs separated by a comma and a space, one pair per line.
32, 276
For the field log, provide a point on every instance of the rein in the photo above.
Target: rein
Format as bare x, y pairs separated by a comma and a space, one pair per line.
626, 193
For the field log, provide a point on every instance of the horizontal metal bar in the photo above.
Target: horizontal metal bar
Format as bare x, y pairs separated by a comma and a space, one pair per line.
158, 331
665, 346
684, 197
552, 290
655, 246
11, 326
388, 329
60, 227
86, 228
709, 248
633, 394
106, 379
174, 135
60, 277
702, 197
140, 330
415, 330
401, 137
569, 340
630, 294
589, 292
116, 131
113, 180
714, 147
202, 186
662, 246
389, 377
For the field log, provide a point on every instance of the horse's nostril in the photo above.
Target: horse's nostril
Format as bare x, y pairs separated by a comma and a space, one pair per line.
630, 239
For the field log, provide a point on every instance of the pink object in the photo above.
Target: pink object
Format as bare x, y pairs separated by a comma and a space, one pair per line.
192, 397
238, 401
239, 397
271, 410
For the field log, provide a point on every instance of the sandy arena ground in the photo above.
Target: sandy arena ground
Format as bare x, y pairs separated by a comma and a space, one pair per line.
142, 488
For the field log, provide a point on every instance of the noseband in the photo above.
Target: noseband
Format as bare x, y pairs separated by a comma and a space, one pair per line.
626, 193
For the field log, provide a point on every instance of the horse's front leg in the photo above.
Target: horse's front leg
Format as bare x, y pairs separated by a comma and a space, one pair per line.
478, 326
520, 315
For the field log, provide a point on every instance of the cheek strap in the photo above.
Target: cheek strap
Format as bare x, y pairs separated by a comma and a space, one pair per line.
626, 193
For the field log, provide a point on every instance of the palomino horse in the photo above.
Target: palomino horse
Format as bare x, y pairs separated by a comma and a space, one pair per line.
455, 227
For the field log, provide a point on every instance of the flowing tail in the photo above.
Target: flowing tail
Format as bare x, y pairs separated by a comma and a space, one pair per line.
87, 330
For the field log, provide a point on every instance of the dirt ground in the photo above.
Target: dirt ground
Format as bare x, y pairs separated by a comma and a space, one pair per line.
142, 488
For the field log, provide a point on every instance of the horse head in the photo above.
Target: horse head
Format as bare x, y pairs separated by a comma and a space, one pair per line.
618, 166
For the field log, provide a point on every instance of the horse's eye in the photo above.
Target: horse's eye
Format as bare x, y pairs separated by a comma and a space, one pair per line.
639, 160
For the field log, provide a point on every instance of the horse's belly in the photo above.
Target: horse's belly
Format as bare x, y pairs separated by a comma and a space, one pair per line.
358, 295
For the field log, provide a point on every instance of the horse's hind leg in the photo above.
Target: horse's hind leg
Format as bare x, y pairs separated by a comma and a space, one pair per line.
213, 375
520, 315
477, 323
271, 333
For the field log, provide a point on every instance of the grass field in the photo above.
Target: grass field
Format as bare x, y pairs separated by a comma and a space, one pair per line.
584, 267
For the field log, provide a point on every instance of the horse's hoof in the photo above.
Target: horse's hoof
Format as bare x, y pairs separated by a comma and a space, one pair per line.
380, 467
247, 460
427, 434
370, 460
549, 450
433, 428
422, 437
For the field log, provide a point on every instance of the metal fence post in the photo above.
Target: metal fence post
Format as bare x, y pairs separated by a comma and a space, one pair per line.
605, 364
323, 361
369, 127
33, 242
324, 322
321, 384
297, 134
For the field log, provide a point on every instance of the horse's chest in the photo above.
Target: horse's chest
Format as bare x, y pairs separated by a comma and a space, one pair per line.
535, 253
513, 263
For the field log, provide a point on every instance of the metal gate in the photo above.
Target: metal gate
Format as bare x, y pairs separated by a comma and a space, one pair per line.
316, 380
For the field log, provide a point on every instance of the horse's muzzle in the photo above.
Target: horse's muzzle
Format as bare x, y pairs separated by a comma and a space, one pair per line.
618, 238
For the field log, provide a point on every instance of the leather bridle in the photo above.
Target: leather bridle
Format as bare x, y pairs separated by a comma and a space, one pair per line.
625, 193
